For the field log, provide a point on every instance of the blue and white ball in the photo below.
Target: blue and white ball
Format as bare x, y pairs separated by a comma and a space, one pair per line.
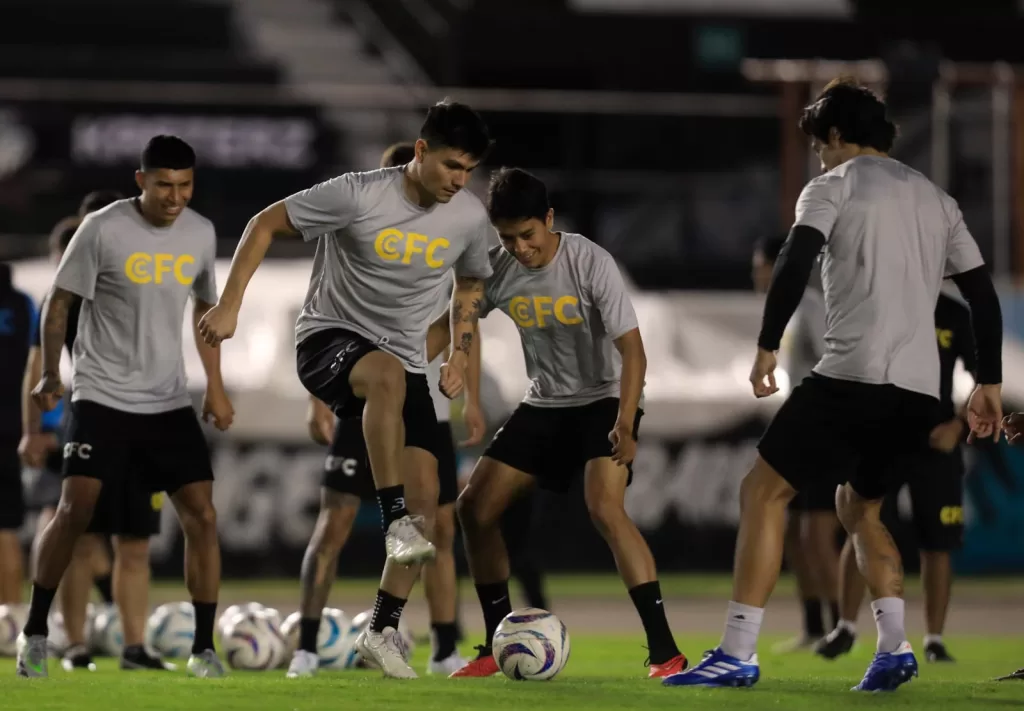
332, 645
171, 629
249, 643
107, 639
531, 645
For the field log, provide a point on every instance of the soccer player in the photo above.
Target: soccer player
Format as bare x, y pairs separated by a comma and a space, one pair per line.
130, 516
889, 237
586, 361
347, 482
134, 264
386, 241
811, 523
936, 483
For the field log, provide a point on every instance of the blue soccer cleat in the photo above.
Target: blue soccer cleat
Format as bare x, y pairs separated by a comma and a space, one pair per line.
889, 670
718, 669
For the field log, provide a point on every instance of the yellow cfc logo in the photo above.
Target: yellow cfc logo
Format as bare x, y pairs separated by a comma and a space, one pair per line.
392, 245
535, 312
945, 337
143, 268
951, 515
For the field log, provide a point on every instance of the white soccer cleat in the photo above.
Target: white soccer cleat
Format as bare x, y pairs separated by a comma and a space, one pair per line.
447, 666
303, 664
205, 666
405, 543
385, 650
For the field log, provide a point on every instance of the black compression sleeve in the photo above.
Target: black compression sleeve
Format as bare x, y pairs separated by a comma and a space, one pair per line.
789, 280
986, 322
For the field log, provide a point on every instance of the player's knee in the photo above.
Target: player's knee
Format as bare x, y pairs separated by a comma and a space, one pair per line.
607, 515
384, 381
199, 520
75, 513
764, 485
472, 512
444, 528
132, 553
850, 507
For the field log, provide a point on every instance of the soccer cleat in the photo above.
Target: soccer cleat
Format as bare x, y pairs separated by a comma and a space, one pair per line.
303, 664
937, 652
387, 651
718, 669
404, 541
138, 659
674, 665
77, 657
1019, 674
889, 670
32, 655
835, 644
447, 666
205, 666
483, 665
797, 644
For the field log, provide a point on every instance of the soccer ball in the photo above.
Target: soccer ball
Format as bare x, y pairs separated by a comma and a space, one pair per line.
290, 633
531, 644
107, 638
171, 629
12, 621
250, 643
332, 642
228, 616
351, 659
273, 617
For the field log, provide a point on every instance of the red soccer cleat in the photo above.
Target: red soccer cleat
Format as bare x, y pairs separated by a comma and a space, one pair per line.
673, 666
483, 665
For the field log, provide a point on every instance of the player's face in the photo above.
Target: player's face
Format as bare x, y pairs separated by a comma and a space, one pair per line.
443, 171
831, 153
530, 241
165, 193
761, 272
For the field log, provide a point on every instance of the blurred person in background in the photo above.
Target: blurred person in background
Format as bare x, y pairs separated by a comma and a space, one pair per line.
1013, 425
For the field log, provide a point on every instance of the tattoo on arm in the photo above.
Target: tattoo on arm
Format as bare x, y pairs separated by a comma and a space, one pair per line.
468, 289
55, 327
465, 343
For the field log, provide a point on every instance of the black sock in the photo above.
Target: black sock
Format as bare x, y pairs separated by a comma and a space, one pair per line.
39, 611
533, 590
105, 586
813, 624
309, 630
496, 604
444, 640
833, 608
392, 504
387, 611
661, 646
205, 614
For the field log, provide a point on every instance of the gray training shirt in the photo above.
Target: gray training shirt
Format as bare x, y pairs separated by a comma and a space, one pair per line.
135, 280
568, 314
892, 235
382, 263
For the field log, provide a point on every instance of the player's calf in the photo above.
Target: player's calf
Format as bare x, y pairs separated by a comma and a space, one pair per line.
194, 506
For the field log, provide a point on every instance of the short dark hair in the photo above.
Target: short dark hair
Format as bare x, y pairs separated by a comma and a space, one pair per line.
770, 246
515, 194
398, 154
62, 233
97, 200
854, 111
450, 124
167, 152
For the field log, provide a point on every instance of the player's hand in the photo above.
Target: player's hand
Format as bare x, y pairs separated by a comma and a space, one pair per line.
623, 444
48, 392
985, 412
1013, 426
762, 375
218, 324
453, 375
32, 449
946, 437
321, 424
475, 424
217, 405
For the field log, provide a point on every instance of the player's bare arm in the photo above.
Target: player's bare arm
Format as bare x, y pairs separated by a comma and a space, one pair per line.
320, 421
467, 302
439, 336
472, 413
48, 392
32, 448
630, 346
220, 321
216, 403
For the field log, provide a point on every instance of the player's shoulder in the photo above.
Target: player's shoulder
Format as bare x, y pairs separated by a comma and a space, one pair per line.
114, 213
195, 221
582, 249
470, 205
501, 261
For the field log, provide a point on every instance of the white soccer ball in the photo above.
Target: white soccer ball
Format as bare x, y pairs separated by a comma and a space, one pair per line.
350, 658
228, 616
273, 617
290, 631
332, 642
250, 643
107, 639
12, 621
171, 629
531, 644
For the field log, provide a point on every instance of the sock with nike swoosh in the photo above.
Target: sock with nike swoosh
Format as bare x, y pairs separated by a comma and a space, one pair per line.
661, 646
496, 604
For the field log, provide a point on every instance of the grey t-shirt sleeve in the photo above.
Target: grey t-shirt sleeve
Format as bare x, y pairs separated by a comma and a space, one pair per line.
475, 260
608, 290
962, 253
327, 207
80, 266
818, 204
204, 288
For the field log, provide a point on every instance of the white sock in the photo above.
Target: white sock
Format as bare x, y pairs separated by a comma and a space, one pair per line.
848, 625
932, 639
742, 627
888, 613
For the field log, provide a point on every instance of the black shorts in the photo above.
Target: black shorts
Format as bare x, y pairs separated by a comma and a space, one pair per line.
554, 444
347, 466
818, 496
128, 510
162, 452
831, 430
12, 496
936, 483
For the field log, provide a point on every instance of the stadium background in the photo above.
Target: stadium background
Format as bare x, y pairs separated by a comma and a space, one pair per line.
666, 131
